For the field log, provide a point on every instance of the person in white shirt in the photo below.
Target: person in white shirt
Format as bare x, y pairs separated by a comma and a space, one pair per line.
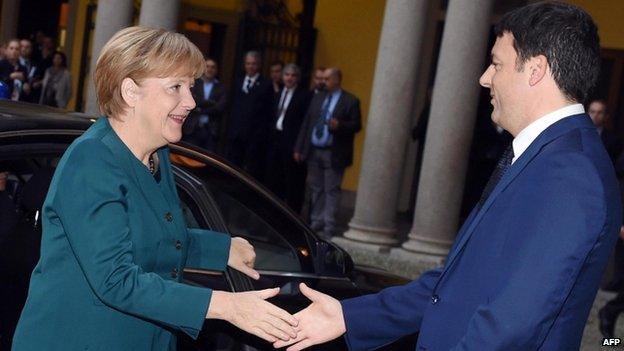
284, 176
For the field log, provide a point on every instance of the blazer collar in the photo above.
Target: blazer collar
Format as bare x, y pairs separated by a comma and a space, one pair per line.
581, 121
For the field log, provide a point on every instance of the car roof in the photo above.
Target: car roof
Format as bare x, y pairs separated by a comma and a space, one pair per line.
15, 115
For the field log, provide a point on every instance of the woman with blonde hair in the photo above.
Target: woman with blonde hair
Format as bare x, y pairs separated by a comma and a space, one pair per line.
114, 238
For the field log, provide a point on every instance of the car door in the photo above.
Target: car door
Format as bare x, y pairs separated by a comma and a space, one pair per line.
287, 251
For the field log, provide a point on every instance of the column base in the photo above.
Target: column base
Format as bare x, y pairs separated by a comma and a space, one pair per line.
408, 265
428, 246
371, 235
423, 261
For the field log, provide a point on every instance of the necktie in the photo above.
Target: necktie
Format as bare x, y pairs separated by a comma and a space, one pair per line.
322, 121
281, 110
501, 167
280, 107
247, 86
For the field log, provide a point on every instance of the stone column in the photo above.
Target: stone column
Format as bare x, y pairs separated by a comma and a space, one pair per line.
449, 134
112, 15
8, 22
389, 120
160, 14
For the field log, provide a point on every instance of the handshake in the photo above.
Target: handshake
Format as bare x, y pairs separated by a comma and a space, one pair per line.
320, 322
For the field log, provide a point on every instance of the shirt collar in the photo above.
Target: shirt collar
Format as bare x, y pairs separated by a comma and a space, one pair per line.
524, 139
335, 93
253, 79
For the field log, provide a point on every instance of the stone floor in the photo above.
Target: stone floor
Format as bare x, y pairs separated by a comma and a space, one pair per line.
414, 266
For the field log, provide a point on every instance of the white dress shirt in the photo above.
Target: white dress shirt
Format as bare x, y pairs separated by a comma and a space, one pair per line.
524, 139
283, 106
249, 81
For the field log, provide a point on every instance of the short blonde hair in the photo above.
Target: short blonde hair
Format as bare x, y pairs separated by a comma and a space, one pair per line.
139, 53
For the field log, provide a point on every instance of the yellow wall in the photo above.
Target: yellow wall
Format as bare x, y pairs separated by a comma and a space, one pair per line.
229, 5
79, 32
608, 15
348, 36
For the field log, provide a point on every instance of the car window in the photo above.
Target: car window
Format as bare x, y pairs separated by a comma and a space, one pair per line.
280, 243
273, 252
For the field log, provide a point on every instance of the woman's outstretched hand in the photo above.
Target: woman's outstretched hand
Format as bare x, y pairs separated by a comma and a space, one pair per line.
250, 312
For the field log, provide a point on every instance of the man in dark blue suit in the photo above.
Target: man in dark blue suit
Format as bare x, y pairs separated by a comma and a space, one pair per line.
526, 264
249, 122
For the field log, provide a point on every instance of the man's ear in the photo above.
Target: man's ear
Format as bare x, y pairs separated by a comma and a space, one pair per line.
538, 67
129, 91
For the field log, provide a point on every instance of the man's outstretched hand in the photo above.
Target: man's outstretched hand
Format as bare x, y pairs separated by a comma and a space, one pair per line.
320, 322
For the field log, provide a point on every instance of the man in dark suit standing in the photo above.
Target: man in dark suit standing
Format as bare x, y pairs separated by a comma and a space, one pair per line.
526, 264
326, 142
284, 176
610, 312
202, 126
597, 111
249, 122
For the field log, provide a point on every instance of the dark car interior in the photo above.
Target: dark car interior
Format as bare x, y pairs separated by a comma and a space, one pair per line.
20, 235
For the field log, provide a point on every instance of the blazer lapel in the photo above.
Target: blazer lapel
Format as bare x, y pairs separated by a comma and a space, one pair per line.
339, 105
551, 133
143, 179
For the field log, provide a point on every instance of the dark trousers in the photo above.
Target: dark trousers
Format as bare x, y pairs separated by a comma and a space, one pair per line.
614, 307
324, 182
248, 155
284, 176
202, 137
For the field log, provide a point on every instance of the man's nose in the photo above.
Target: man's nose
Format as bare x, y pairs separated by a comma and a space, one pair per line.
486, 78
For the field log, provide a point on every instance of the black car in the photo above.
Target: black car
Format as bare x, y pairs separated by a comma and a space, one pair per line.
214, 195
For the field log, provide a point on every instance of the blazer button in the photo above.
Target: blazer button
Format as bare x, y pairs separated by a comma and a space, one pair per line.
174, 273
435, 299
168, 216
178, 245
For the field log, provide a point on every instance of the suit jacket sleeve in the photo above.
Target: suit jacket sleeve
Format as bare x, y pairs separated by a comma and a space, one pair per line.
5, 72
63, 94
96, 226
353, 123
208, 249
378, 319
305, 130
550, 256
218, 102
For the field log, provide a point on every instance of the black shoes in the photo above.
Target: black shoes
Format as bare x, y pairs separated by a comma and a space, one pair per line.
606, 323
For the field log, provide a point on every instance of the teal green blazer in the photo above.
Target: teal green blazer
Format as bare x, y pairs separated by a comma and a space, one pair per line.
113, 248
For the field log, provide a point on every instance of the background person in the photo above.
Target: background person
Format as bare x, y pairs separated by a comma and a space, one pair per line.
275, 73
203, 125
284, 176
326, 143
318, 84
249, 120
11, 72
56, 88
